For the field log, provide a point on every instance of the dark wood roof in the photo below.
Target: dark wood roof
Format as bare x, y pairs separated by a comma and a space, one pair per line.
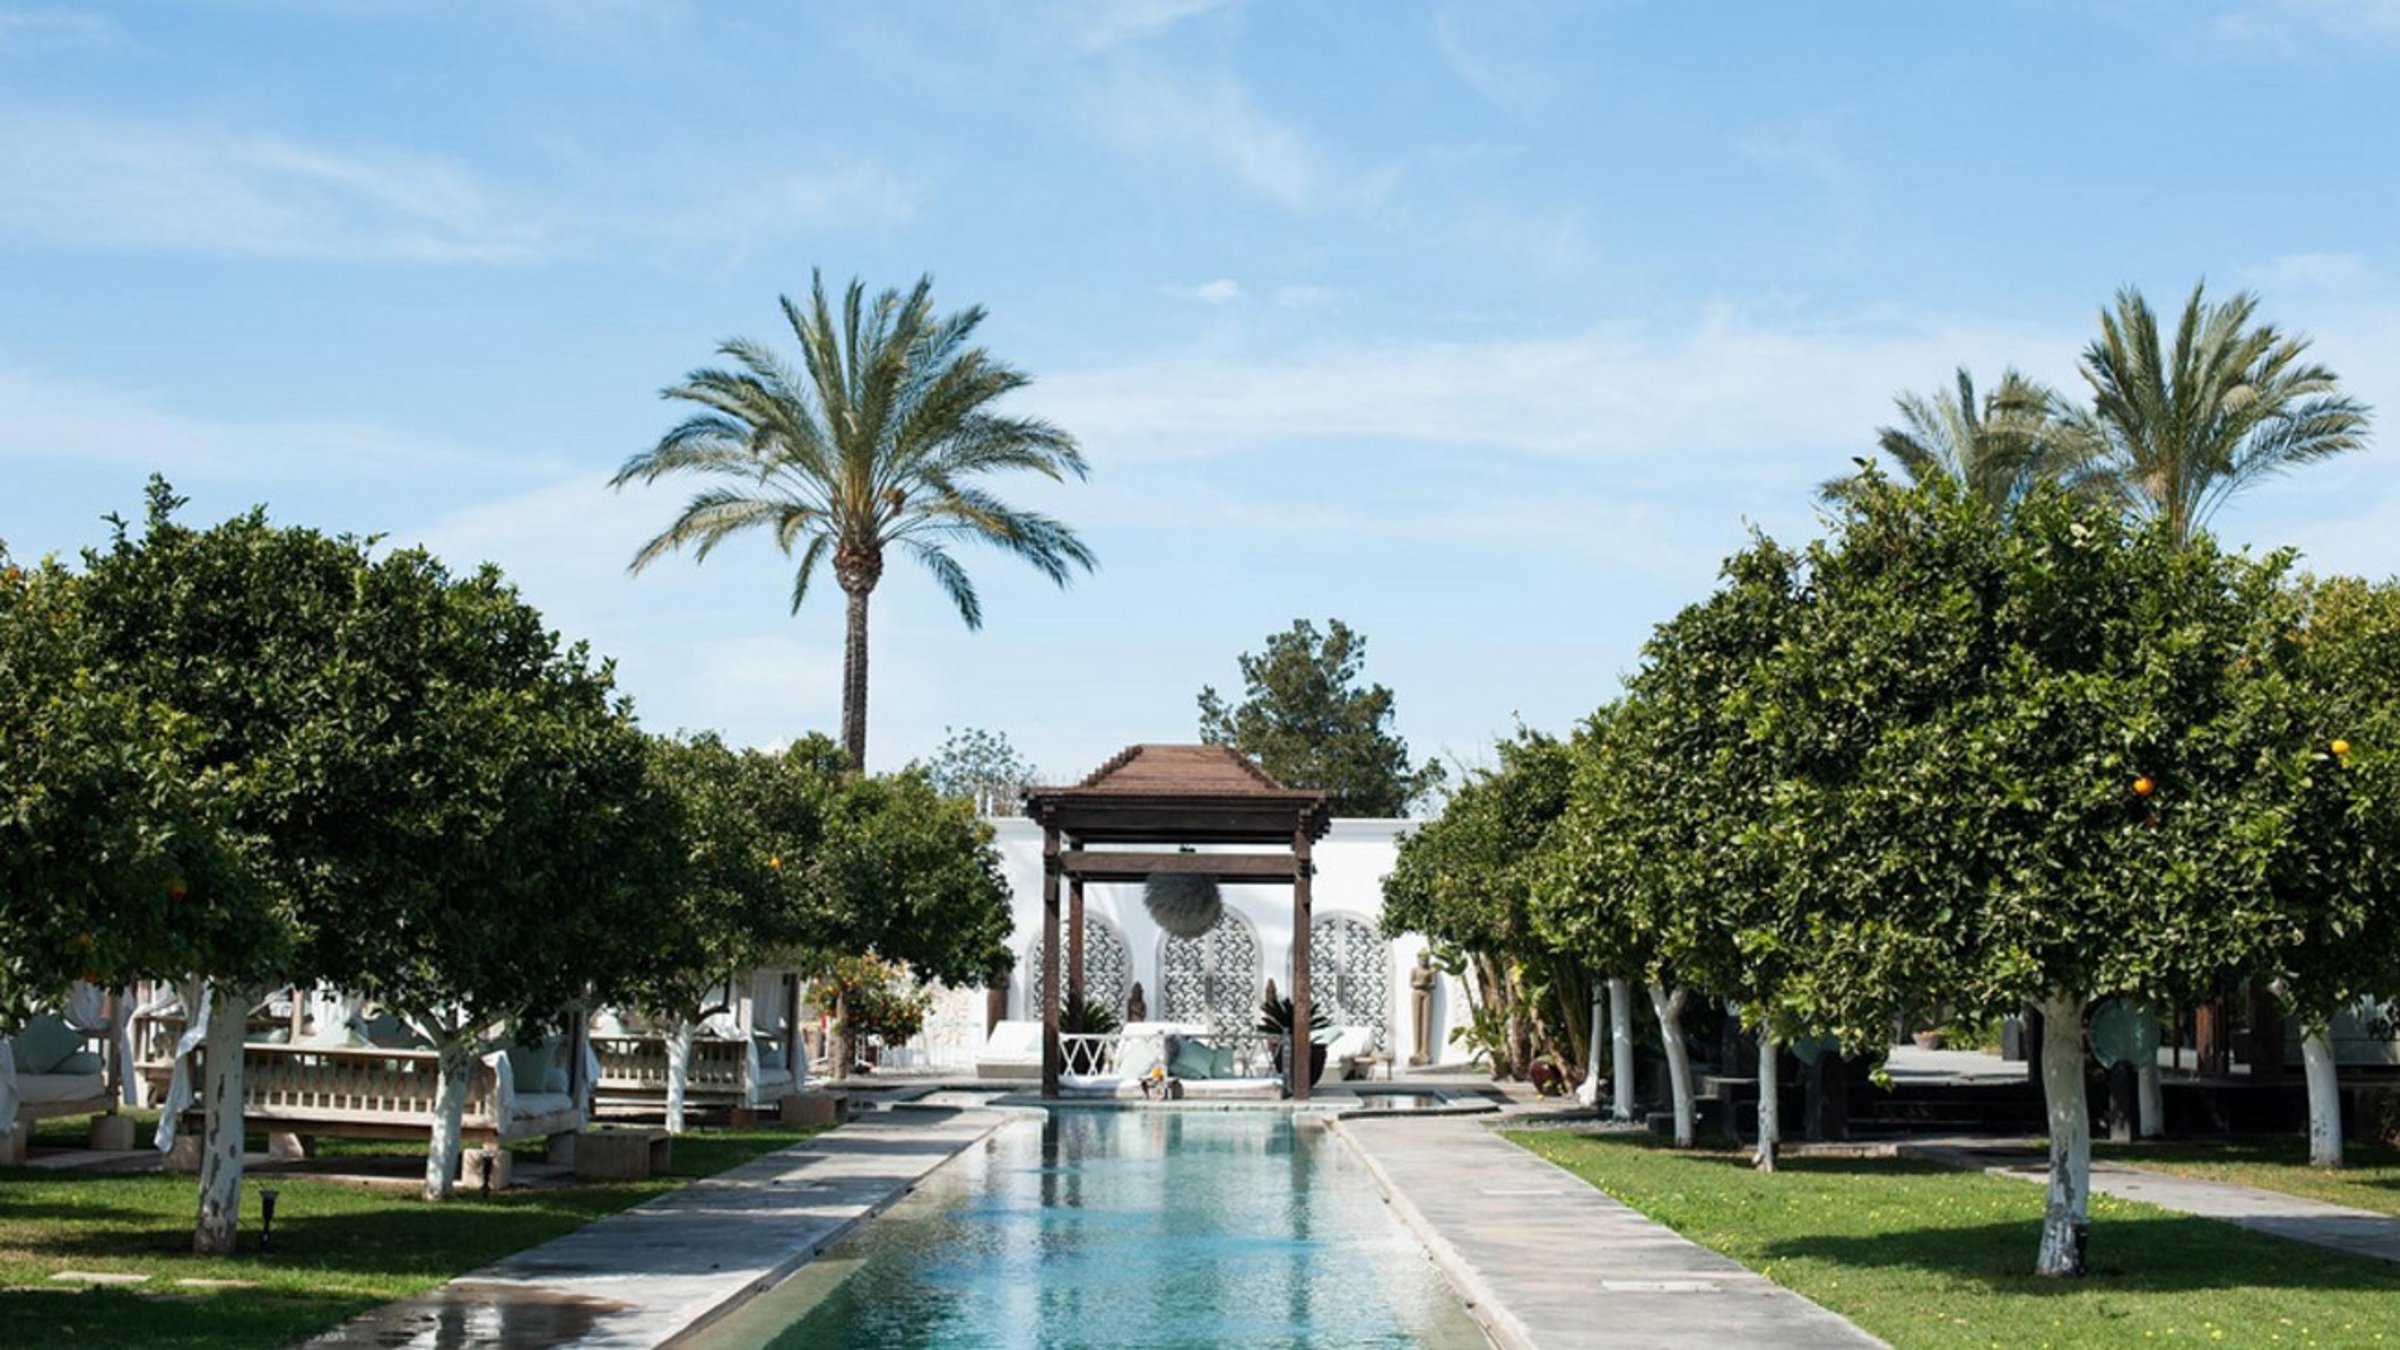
1183, 794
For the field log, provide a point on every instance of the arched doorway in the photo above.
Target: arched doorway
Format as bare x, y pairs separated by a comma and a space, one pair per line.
1350, 972
1107, 967
1213, 978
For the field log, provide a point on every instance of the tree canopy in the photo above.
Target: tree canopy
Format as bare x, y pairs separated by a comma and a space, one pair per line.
1310, 724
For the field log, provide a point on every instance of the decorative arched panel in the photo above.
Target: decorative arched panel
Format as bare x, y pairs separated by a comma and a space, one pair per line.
1107, 967
1350, 974
1212, 978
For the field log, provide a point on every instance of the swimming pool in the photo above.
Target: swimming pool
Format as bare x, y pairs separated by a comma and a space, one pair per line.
1098, 1227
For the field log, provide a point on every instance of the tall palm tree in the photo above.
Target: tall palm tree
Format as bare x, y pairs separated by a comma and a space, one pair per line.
2172, 433
875, 444
1996, 446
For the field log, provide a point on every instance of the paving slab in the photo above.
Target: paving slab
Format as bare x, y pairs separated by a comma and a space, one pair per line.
2359, 1232
1546, 1260
648, 1274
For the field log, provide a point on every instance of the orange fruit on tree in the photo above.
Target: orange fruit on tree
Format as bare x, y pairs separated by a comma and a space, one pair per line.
2341, 747
2143, 787
776, 863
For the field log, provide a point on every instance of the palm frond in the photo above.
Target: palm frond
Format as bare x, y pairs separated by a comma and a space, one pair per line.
951, 577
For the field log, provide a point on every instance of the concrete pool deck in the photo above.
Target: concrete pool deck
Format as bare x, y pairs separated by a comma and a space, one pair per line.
649, 1274
1546, 1260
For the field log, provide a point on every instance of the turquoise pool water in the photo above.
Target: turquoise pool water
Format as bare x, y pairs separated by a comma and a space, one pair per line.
1127, 1228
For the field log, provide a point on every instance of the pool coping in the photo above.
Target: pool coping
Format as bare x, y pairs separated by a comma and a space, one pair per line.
612, 1282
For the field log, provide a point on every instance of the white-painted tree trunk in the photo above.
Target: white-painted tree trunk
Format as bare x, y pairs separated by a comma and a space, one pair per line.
449, 1112
2066, 1217
2151, 1116
2324, 1099
1770, 1109
1669, 1008
1620, 1048
1589, 1093
679, 1072
221, 1140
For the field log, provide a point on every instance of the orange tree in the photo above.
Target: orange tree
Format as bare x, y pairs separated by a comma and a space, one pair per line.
118, 856
1465, 880
2024, 765
2338, 880
452, 811
900, 873
1665, 865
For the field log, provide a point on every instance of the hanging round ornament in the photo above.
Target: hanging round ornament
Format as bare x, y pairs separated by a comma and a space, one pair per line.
1183, 904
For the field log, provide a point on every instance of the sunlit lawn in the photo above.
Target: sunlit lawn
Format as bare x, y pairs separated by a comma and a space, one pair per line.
338, 1248
2370, 1181
1923, 1255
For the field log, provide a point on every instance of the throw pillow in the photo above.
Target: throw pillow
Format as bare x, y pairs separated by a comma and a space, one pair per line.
44, 1042
1192, 1059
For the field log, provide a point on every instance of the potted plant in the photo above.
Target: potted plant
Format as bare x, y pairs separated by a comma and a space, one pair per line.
1275, 1020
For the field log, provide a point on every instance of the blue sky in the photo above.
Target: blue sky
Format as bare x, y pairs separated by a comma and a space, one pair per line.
1488, 328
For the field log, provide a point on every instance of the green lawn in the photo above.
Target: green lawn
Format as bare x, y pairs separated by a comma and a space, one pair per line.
338, 1249
2371, 1181
1923, 1255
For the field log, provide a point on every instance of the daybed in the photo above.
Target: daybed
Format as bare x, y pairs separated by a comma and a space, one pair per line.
48, 1069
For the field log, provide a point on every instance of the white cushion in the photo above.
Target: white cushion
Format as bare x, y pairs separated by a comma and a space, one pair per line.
525, 1105
1012, 1041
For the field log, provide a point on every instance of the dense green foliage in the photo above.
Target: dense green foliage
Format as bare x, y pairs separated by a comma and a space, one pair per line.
1306, 720
119, 852
1466, 881
441, 798
876, 444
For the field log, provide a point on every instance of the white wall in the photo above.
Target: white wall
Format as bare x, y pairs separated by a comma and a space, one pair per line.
1352, 861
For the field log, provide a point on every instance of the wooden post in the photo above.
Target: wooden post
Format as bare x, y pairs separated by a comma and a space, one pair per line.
1074, 942
1050, 1048
1296, 1059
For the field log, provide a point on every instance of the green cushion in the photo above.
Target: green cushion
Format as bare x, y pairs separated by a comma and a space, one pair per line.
556, 1080
1193, 1059
82, 1061
44, 1042
1221, 1063
529, 1066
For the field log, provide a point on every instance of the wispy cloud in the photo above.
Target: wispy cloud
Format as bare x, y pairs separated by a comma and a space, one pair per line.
1728, 385
103, 183
1217, 125
65, 420
56, 30
839, 193
2314, 272
1222, 291
2289, 20
1100, 25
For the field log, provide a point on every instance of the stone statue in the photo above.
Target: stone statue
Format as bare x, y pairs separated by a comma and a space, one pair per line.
1137, 1008
1420, 996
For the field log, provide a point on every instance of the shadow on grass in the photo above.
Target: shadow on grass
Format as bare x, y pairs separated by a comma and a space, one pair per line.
2149, 1254
115, 1317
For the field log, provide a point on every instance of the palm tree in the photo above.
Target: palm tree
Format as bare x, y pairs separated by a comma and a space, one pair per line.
2173, 433
873, 445
1997, 446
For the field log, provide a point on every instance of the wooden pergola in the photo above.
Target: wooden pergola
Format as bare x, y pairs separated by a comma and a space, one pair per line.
1142, 806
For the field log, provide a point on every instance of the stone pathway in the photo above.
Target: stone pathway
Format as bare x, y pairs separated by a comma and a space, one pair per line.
2359, 1232
1546, 1260
650, 1273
